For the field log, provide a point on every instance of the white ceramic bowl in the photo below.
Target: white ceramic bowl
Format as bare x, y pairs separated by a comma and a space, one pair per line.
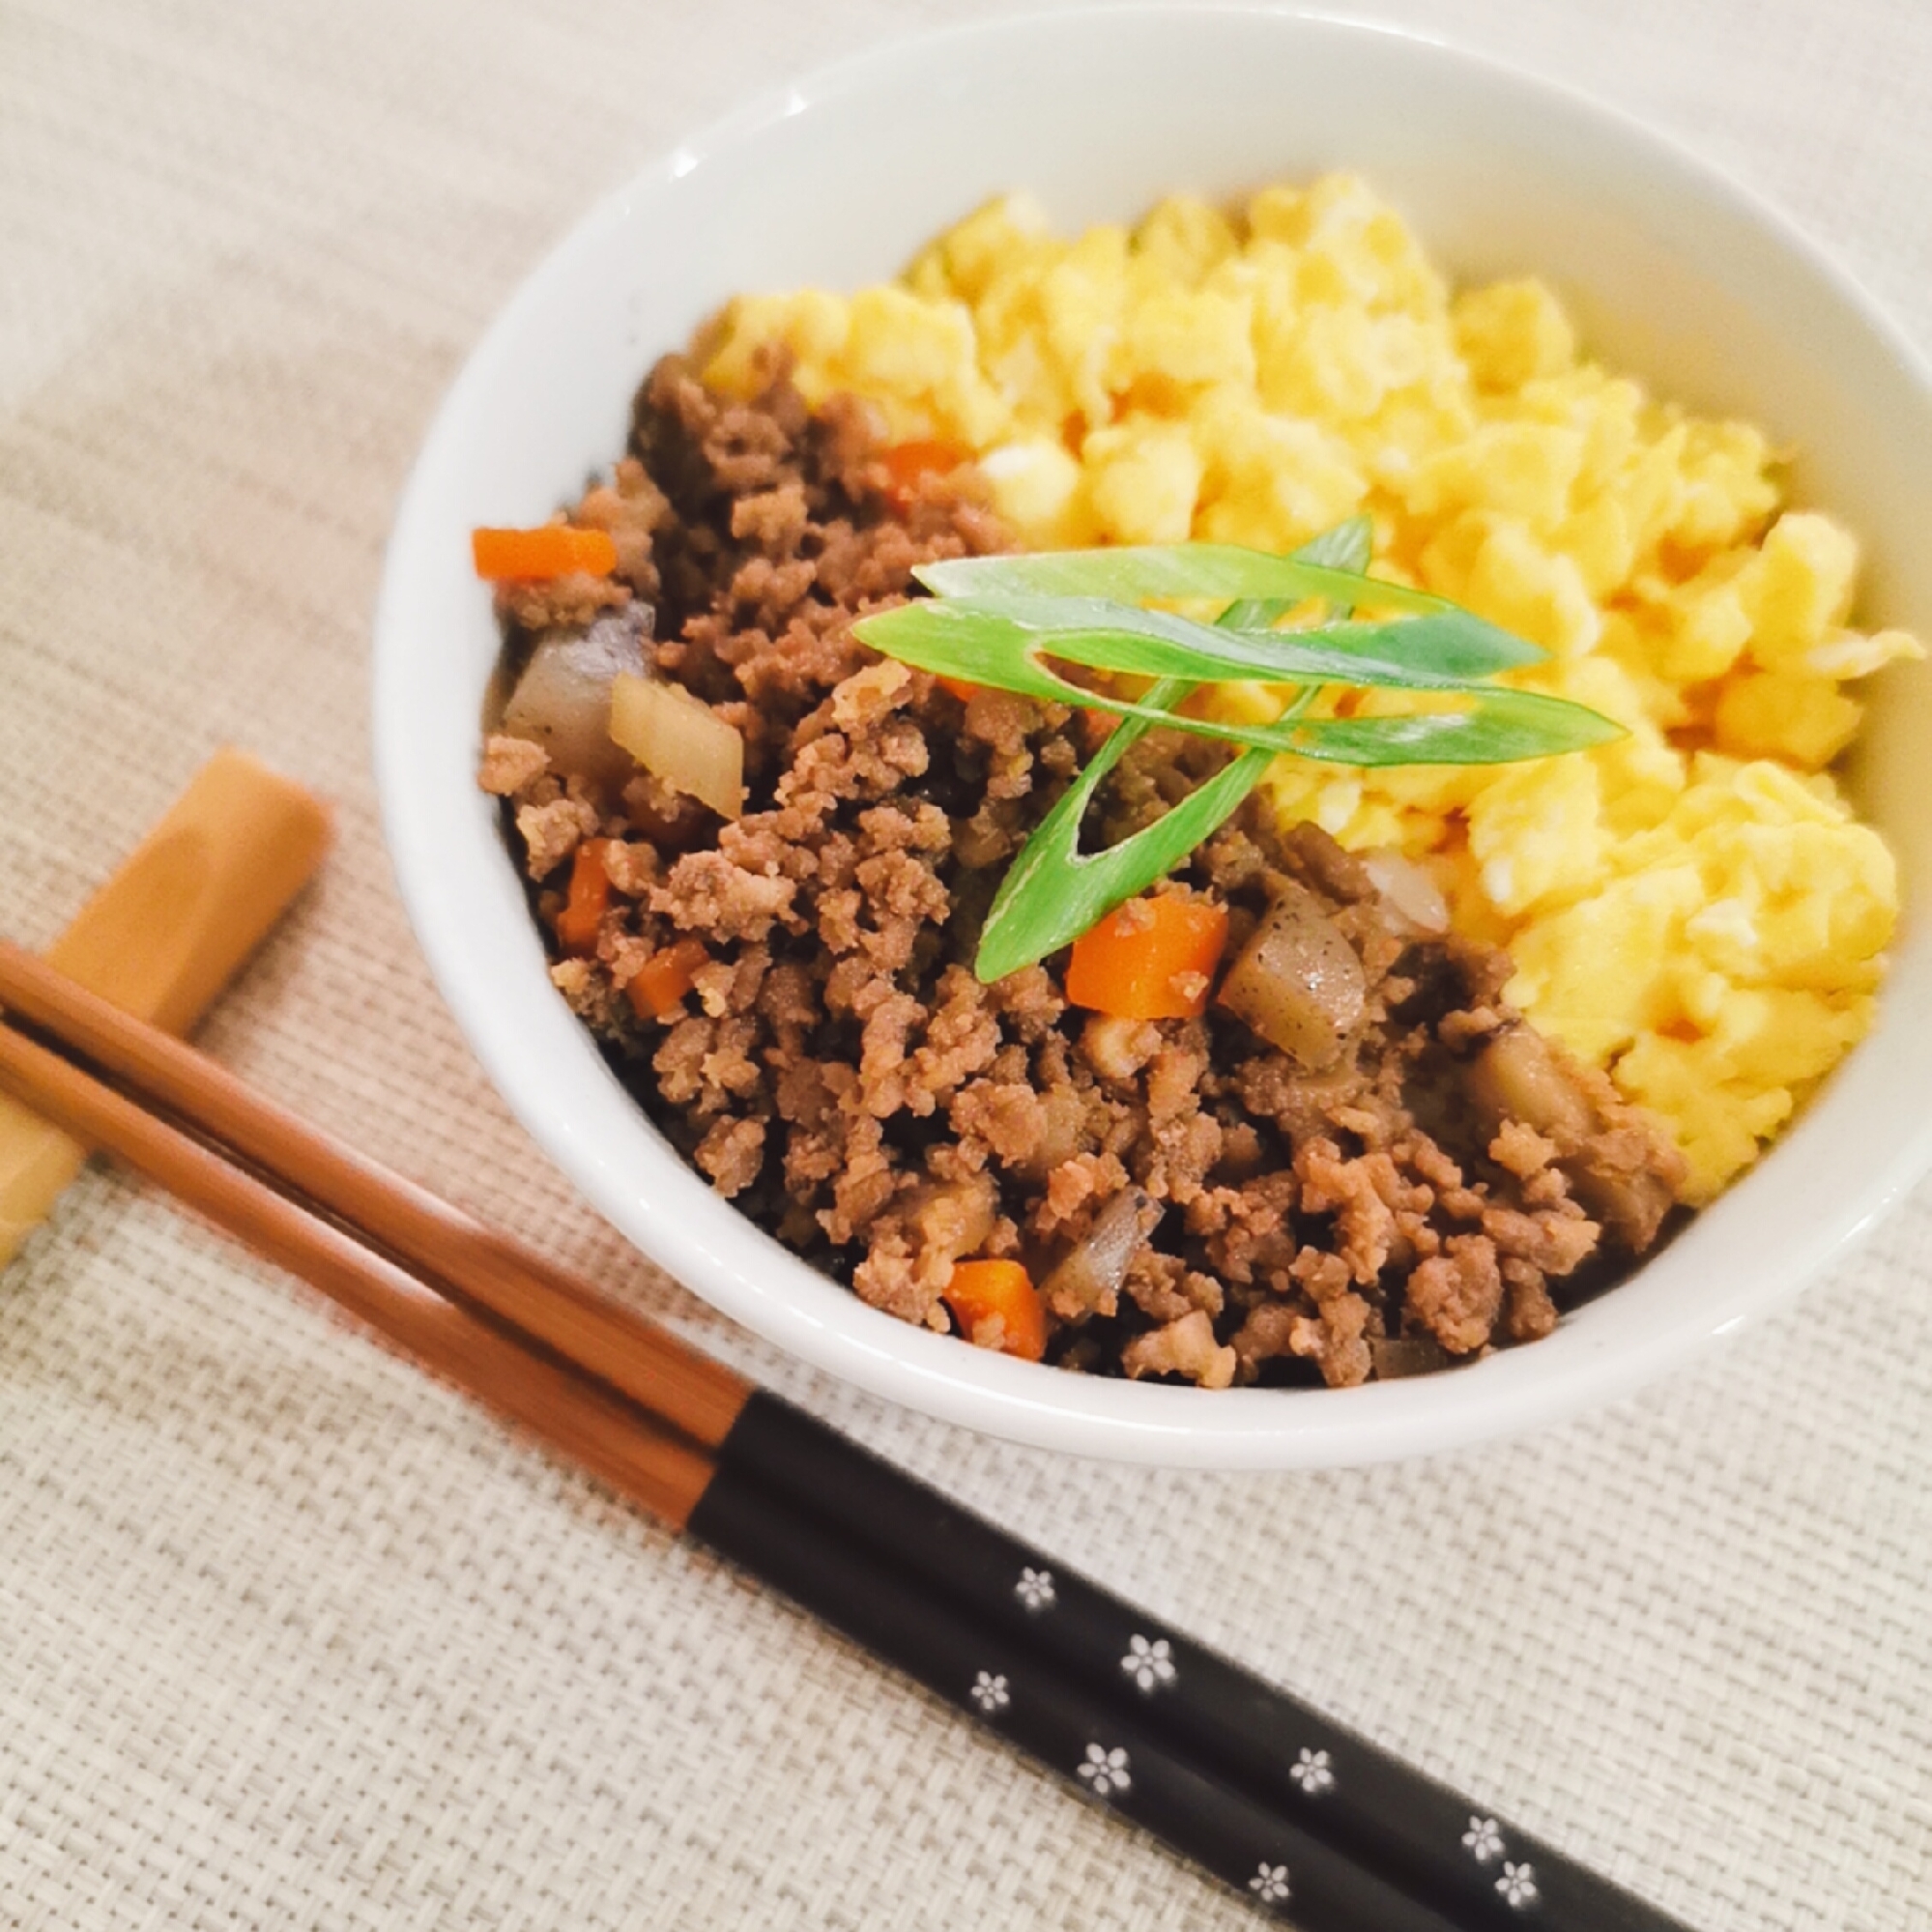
1672, 273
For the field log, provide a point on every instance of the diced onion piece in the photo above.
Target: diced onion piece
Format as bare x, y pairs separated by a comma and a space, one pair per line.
681, 740
1087, 1279
1298, 982
946, 1219
563, 700
1405, 886
1518, 1076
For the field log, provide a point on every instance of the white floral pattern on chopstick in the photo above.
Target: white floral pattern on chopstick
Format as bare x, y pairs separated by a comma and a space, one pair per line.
991, 1693
1270, 1883
1483, 1839
1518, 1885
1035, 1589
1106, 1772
1150, 1664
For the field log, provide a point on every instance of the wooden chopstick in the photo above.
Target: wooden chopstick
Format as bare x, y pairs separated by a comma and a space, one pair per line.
1224, 1765
693, 1393
651, 1465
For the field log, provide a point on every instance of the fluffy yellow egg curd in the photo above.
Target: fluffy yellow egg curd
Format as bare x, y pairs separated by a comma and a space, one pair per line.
1696, 908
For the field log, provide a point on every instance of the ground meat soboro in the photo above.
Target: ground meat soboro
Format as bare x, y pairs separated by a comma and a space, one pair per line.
792, 995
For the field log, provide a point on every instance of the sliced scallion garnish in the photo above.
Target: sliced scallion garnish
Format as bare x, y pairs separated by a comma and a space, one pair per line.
1001, 620
1052, 892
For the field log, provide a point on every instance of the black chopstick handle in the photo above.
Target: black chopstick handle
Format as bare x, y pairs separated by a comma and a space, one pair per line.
1111, 1755
1474, 1867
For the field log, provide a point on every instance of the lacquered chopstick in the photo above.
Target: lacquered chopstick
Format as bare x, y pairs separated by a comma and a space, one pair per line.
1057, 1719
1476, 1869
1470, 1864
1114, 1754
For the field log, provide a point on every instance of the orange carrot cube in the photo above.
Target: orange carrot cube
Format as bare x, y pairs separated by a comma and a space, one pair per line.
665, 978
584, 904
554, 551
1151, 959
984, 1293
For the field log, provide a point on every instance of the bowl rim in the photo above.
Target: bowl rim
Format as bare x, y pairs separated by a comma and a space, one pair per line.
708, 1245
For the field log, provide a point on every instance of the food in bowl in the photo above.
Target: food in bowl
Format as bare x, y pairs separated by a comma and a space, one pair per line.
1358, 1157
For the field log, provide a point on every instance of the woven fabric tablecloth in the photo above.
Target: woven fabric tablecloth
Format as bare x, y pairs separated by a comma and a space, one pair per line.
291, 1636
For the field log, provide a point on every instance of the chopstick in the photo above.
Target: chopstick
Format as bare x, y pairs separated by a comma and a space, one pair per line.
585, 1422
1105, 1754
696, 1395
1257, 1787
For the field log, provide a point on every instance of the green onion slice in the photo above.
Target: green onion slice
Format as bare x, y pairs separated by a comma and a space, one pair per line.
1005, 621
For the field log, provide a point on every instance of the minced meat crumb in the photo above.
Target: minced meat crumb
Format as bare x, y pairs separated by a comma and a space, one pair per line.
834, 1066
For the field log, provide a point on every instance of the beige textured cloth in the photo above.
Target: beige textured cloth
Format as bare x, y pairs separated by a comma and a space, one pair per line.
289, 1636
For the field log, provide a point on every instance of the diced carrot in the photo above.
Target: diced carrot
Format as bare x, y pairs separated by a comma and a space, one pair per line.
1095, 728
553, 551
907, 463
584, 904
665, 978
966, 693
980, 1292
1151, 959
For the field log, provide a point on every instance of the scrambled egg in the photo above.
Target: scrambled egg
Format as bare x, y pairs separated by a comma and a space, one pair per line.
1695, 908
